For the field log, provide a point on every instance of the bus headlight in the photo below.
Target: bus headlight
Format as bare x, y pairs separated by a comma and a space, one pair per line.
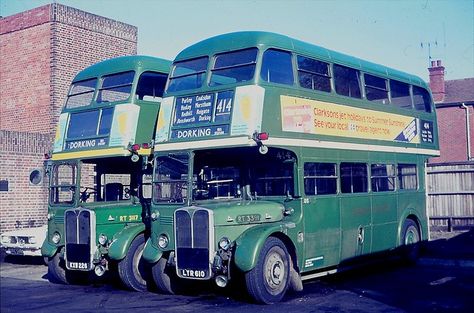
102, 239
32, 240
224, 243
50, 216
56, 237
163, 241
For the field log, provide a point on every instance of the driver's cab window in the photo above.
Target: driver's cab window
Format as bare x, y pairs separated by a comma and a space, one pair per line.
117, 179
63, 183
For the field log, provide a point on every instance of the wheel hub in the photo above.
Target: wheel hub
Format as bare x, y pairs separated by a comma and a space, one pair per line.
275, 271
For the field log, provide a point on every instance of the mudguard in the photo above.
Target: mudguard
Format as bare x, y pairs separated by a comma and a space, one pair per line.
406, 213
119, 247
151, 253
48, 249
249, 244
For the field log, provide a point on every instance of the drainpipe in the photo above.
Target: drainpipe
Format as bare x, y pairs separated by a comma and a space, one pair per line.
468, 131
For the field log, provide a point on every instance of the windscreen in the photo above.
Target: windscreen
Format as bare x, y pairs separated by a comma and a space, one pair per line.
62, 187
242, 173
170, 178
114, 179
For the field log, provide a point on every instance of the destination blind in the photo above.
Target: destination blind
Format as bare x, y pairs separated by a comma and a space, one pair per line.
193, 112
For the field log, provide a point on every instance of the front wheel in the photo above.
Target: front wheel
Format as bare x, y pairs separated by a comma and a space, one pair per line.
268, 281
132, 268
56, 270
165, 277
410, 241
58, 274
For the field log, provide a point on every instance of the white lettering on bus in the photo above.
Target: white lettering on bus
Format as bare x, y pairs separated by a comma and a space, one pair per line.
185, 107
82, 144
186, 120
191, 273
186, 100
189, 133
78, 265
203, 98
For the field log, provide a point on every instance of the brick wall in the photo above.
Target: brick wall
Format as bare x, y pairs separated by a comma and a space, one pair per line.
23, 202
452, 134
41, 51
437, 84
80, 39
25, 73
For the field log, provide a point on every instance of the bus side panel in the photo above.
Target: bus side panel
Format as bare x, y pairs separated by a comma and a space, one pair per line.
322, 222
355, 225
147, 118
384, 221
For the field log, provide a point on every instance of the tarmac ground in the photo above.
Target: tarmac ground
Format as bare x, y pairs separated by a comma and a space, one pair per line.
442, 281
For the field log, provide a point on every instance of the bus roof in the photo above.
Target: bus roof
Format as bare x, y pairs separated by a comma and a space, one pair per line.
124, 63
264, 40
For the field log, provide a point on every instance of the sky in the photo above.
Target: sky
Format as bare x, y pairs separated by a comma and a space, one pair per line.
402, 34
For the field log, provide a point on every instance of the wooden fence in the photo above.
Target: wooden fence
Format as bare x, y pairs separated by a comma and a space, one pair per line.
451, 195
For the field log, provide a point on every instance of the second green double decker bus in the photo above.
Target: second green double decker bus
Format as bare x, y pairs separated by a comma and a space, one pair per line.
280, 161
100, 171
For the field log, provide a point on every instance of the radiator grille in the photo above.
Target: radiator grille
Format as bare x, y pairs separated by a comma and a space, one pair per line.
79, 227
193, 230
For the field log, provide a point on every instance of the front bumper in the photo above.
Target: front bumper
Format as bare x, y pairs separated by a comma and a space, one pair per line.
28, 251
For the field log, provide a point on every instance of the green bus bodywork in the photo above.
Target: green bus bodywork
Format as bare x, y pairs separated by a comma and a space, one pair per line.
296, 172
99, 167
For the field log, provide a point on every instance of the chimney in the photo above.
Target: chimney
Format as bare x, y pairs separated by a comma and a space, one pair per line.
437, 80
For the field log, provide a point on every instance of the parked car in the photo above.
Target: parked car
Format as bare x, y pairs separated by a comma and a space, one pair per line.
24, 241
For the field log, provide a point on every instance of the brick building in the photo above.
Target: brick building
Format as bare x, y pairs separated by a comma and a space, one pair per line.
451, 175
40, 52
454, 101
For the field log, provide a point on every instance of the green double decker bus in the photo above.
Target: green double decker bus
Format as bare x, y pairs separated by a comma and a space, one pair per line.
278, 161
100, 171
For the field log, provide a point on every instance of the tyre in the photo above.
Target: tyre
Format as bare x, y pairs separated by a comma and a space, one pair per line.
58, 274
410, 240
165, 277
56, 270
132, 269
268, 281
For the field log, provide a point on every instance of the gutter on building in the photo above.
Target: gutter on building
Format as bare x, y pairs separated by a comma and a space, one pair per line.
468, 131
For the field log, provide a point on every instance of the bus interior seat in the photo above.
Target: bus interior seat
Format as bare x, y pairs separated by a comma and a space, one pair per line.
113, 192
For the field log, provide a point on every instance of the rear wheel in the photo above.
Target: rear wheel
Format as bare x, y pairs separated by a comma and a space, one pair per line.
268, 281
132, 269
410, 240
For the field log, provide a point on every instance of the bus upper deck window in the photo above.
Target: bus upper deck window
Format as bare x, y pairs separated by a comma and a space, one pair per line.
421, 99
277, 67
150, 86
116, 87
189, 74
376, 89
314, 74
346, 81
233, 67
81, 93
400, 94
